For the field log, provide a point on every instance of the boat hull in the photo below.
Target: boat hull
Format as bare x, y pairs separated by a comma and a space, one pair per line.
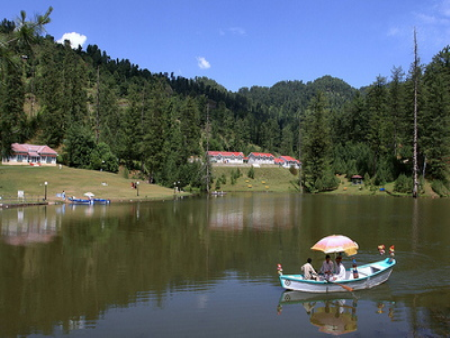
80, 201
101, 201
370, 275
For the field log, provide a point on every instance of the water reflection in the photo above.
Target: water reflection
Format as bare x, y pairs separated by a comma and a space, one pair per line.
75, 268
334, 314
29, 228
255, 211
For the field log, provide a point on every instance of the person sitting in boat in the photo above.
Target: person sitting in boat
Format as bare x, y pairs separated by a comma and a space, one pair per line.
340, 269
327, 267
308, 270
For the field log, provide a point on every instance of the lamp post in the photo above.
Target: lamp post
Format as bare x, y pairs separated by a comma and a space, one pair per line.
45, 195
137, 188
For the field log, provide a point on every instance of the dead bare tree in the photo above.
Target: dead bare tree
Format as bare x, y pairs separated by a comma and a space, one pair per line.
416, 84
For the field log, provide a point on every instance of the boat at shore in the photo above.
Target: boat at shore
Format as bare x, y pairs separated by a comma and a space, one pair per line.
101, 201
90, 201
81, 201
369, 276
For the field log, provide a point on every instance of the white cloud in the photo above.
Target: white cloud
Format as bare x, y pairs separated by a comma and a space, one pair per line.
237, 30
203, 63
75, 39
393, 31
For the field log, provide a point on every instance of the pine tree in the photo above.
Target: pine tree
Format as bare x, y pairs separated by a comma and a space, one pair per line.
316, 144
13, 43
53, 122
435, 132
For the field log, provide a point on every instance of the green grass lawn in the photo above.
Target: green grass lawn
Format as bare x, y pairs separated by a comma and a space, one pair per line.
75, 182
276, 179
266, 178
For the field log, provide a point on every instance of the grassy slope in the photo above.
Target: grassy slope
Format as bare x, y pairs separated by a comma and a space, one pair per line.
268, 178
75, 182
281, 180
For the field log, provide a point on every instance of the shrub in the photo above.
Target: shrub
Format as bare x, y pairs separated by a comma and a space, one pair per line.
403, 184
125, 172
440, 188
223, 179
293, 170
251, 173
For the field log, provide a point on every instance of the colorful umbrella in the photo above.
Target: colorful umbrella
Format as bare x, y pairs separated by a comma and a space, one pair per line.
335, 244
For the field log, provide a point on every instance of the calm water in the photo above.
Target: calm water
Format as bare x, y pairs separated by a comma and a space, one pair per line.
203, 267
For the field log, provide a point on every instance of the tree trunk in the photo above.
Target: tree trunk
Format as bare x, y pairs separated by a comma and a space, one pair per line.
415, 70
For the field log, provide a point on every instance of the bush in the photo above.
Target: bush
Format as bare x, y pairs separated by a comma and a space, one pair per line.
125, 172
293, 170
440, 188
318, 184
403, 184
251, 173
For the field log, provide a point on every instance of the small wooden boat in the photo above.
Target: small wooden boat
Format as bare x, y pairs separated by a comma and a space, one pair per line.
101, 201
81, 201
370, 275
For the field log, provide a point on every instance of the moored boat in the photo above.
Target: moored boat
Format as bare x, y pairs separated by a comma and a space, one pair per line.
101, 201
370, 275
81, 201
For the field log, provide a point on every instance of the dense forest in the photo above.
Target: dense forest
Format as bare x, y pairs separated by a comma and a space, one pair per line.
102, 113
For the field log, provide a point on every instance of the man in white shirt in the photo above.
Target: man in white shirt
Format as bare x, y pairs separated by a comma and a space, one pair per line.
340, 269
308, 270
327, 267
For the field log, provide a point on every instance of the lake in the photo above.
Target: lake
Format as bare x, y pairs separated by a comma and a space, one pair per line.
207, 266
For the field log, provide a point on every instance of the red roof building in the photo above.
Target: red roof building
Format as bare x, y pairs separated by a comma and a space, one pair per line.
288, 161
226, 157
261, 158
30, 154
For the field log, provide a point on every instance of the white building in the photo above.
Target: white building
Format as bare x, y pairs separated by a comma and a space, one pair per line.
226, 157
261, 158
288, 161
30, 154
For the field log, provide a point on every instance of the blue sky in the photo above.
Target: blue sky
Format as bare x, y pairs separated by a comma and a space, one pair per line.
241, 43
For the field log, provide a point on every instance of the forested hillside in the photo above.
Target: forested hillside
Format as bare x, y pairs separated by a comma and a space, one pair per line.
101, 112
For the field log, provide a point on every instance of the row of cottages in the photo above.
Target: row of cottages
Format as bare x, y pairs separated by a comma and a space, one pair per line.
30, 154
254, 158
226, 157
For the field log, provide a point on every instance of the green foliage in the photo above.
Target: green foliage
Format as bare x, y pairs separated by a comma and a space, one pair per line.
316, 143
367, 180
330, 181
235, 174
251, 173
319, 184
404, 184
103, 159
440, 188
126, 173
78, 147
293, 170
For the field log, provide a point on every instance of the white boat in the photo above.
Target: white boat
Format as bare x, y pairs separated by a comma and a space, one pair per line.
370, 275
